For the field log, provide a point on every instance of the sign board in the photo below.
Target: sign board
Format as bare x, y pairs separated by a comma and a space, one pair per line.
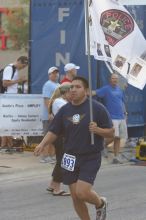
20, 115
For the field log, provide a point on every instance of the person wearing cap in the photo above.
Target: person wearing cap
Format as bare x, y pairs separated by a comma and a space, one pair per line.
71, 71
47, 91
11, 80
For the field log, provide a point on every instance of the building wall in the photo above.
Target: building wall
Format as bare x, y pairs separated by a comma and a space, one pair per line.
11, 3
9, 56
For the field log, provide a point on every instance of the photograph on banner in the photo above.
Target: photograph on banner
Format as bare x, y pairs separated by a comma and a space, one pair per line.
136, 70
107, 50
99, 51
119, 62
20, 115
137, 73
99, 46
143, 56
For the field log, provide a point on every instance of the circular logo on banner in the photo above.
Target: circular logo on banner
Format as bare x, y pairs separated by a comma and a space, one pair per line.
116, 25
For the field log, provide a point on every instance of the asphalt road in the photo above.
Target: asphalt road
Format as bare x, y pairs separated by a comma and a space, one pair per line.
24, 197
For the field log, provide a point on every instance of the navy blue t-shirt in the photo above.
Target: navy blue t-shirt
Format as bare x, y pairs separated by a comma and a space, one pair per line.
73, 122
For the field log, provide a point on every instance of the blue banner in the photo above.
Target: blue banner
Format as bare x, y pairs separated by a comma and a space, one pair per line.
57, 37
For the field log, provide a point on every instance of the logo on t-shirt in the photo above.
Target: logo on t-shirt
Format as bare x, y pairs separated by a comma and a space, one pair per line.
75, 119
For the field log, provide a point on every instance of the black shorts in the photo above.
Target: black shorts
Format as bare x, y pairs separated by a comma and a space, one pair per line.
86, 168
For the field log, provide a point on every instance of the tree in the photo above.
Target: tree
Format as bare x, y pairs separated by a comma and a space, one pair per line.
17, 24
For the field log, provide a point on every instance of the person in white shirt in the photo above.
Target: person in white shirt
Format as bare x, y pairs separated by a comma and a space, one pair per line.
60, 97
10, 82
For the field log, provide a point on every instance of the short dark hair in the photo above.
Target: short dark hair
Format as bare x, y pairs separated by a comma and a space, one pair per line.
84, 81
23, 59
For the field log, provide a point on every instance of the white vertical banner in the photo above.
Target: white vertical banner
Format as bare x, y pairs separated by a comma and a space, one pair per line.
116, 38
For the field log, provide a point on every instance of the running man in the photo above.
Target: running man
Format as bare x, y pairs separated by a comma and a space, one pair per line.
81, 160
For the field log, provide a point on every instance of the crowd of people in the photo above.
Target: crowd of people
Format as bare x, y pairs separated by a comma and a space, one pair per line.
67, 132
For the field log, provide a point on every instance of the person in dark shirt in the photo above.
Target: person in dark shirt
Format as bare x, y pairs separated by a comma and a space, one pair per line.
81, 160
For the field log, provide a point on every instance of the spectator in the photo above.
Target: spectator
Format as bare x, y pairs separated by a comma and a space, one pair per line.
11, 82
71, 71
47, 91
114, 101
59, 98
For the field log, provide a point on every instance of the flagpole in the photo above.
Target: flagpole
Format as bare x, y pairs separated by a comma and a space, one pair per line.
108, 66
89, 63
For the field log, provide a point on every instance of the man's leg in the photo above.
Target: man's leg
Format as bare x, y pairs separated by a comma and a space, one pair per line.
107, 141
79, 205
81, 193
117, 159
85, 192
48, 152
55, 186
116, 146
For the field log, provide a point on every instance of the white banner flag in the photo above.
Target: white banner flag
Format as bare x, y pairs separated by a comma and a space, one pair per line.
116, 38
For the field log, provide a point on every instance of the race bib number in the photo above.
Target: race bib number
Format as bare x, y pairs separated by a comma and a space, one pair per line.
68, 162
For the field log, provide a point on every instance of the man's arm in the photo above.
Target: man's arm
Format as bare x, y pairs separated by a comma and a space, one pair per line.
104, 132
94, 92
7, 83
46, 101
47, 140
8, 75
